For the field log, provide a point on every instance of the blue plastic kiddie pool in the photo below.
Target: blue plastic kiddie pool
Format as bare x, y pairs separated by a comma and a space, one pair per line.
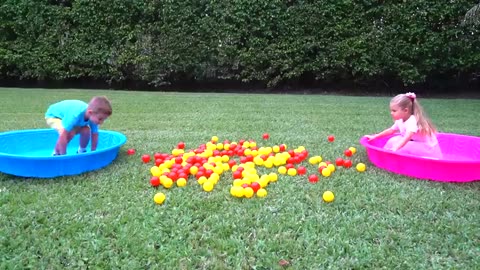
28, 153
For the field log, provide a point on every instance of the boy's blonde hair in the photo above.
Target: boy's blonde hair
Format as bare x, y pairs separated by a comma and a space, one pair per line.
410, 102
100, 104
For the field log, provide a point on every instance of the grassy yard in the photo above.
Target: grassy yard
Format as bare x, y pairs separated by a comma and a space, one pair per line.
107, 219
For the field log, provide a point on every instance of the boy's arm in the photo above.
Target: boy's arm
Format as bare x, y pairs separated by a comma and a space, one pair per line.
94, 141
61, 146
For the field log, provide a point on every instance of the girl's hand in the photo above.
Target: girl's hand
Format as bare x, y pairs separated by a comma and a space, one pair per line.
371, 137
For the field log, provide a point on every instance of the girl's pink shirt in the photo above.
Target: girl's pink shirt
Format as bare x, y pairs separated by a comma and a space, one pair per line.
412, 126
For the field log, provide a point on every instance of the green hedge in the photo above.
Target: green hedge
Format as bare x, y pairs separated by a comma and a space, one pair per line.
267, 41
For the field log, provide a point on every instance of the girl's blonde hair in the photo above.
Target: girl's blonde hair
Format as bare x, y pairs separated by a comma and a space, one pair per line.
409, 101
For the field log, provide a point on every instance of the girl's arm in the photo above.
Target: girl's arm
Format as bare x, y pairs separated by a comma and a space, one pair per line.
403, 141
384, 133
94, 141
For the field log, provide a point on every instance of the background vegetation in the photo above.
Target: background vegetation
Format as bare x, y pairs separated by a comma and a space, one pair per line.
266, 42
107, 219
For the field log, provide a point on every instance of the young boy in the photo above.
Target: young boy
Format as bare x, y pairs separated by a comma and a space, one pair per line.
71, 117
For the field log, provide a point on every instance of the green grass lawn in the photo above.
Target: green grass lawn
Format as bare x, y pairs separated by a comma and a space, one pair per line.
107, 219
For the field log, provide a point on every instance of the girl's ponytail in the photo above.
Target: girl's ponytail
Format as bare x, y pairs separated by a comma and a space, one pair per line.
425, 125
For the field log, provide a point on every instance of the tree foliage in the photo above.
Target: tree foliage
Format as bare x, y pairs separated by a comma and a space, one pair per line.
268, 41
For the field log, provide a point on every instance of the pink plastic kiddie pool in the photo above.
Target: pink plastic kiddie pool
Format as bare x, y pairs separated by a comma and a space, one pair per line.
460, 161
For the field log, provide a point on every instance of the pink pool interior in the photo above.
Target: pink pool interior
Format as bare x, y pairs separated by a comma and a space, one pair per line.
460, 161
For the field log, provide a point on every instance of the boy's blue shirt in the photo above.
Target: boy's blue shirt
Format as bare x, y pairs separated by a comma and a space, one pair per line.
72, 113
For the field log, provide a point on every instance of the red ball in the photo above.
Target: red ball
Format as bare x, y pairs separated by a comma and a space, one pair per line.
208, 173
233, 146
182, 175
146, 158
131, 151
301, 170
339, 161
199, 174
255, 186
331, 138
231, 163
266, 136
313, 178
158, 161
237, 175
173, 176
181, 145
154, 181
282, 147
348, 153
178, 160
347, 163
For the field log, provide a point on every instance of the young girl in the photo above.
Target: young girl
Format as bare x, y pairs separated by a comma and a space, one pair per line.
417, 133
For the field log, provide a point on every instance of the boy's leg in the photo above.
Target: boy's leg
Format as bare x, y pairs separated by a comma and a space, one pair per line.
84, 139
56, 123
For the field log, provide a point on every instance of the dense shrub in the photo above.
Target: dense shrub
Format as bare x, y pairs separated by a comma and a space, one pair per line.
268, 41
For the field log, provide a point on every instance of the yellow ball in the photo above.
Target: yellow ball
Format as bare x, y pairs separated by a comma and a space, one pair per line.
167, 182
292, 172
155, 171
352, 149
326, 172
238, 192
328, 196
361, 167
272, 177
237, 182
214, 139
258, 161
276, 149
282, 170
248, 192
261, 193
232, 191
208, 186
268, 163
181, 182
193, 170
226, 146
159, 198
313, 160
263, 182
331, 167
202, 180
